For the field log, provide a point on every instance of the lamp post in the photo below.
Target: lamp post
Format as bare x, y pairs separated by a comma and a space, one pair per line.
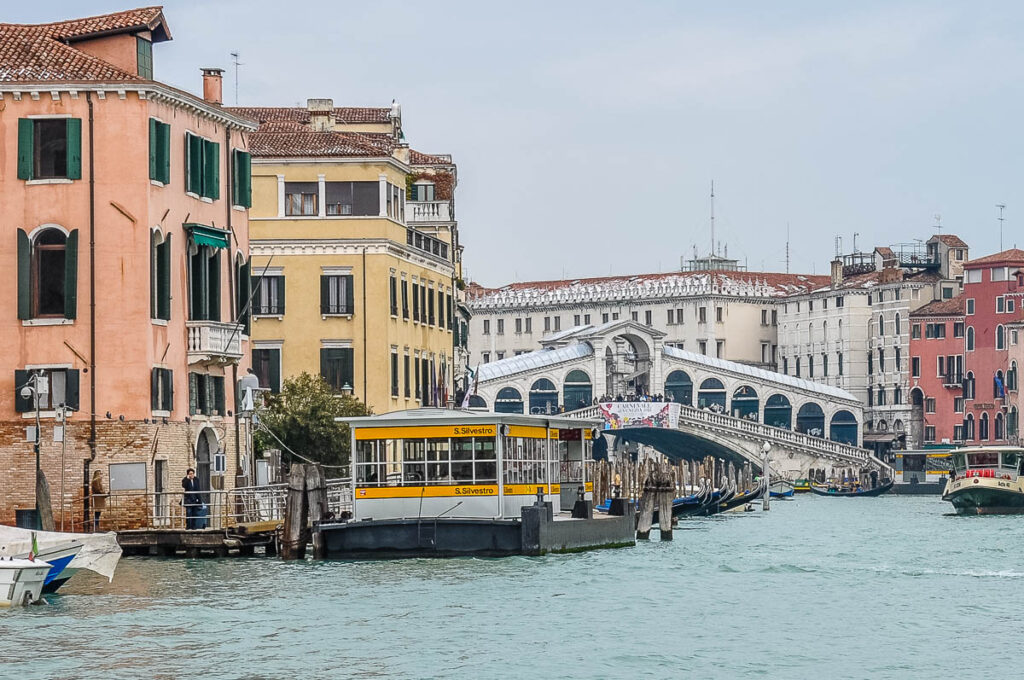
346, 389
766, 466
31, 391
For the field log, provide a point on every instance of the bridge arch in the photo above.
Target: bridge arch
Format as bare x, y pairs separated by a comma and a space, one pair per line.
509, 400
843, 427
577, 390
745, 403
711, 394
679, 386
778, 412
543, 396
810, 419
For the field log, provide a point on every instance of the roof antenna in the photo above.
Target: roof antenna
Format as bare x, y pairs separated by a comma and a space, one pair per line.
1002, 207
787, 247
712, 217
237, 64
938, 222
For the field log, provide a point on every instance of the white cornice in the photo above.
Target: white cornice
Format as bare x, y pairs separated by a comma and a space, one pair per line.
321, 160
291, 247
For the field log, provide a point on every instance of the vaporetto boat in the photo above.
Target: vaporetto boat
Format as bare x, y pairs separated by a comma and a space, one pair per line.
986, 480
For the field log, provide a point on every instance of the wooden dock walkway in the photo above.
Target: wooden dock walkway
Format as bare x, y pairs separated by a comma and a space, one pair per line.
243, 540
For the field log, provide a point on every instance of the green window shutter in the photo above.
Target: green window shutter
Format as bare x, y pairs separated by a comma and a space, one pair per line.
218, 394
325, 294
349, 296
71, 275
245, 184
74, 148
275, 370
21, 404
154, 147
154, 267
154, 389
347, 373
210, 393
211, 169
26, 156
163, 284
24, 276
193, 393
213, 288
163, 153
168, 377
194, 164
244, 294
280, 294
324, 363
71, 390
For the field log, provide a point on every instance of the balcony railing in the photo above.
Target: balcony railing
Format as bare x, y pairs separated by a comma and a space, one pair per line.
428, 211
214, 341
955, 380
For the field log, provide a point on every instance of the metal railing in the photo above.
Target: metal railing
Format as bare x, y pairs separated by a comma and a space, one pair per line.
221, 509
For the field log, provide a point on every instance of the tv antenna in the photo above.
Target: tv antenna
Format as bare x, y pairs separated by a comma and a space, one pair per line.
1002, 207
712, 217
237, 63
938, 222
787, 247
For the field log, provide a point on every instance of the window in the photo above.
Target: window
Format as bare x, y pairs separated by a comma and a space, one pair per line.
422, 191
395, 202
1000, 337
393, 294
647, 317
405, 375
47, 274
500, 355
983, 426
501, 327
160, 276
798, 367
940, 363
159, 151
839, 301
970, 306
679, 315
487, 325
635, 316
840, 363
394, 373
350, 198
336, 367
586, 318
336, 294
671, 317
702, 346
405, 299
897, 325
604, 317
810, 366
969, 386
970, 338
999, 274
824, 365
61, 388
718, 314
487, 360
202, 166
576, 320
915, 367
702, 315
529, 325
897, 395
720, 349
929, 405
1010, 306
558, 323
206, 394
49, 148
241, 178
810, 305
300, 198
430, 311
899, 359
547, 324
869, 301
929, 433
871, 399
881, 325
915, 331
266, 364
785, 365
144, 52
881, 360
958, 404
519, 326
880, 399
1000, 304
764, 317
871, 363
958, 329
269, 297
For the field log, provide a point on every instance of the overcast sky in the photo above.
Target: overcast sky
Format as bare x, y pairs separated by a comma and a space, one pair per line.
587, 133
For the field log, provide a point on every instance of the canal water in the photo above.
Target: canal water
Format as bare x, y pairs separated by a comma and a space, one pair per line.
893, 587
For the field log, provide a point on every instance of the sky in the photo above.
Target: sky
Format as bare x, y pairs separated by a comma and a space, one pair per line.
587, 134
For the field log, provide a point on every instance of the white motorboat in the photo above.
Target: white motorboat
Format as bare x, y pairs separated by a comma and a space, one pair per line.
67, 553
21, 581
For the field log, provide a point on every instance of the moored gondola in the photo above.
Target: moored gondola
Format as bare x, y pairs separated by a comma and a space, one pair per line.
835, 492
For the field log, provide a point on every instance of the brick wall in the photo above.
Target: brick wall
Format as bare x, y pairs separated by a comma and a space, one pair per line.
116, 442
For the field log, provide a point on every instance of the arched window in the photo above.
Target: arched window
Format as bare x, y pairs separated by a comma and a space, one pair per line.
778, 412
1000, 337
883, 426
47, 274
1000, 435
998, 386
543, 397
810, 333
983, 428
969, 427
824, 331
1011, 376
810, 419
745, 403
476, 401
970, 338
1012, 424
577, 390
896, 324
509, 400
679, 387
969, 386
843, 428
711, 395
881, 325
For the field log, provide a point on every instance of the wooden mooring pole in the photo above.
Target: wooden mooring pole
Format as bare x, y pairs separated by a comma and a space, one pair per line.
296, 515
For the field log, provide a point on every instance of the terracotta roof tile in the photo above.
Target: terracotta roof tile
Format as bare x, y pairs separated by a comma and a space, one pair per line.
299, 114
37, 52
951, 240
420, 158
309, 143
949, 307
1013, 255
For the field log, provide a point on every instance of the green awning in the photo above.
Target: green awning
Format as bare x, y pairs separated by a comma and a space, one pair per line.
208, 236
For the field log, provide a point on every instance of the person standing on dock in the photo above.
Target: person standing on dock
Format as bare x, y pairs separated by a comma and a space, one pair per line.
98, 498
192, 500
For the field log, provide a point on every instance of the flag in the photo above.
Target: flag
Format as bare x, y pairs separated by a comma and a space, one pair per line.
35, 548
1000, 389
470, 374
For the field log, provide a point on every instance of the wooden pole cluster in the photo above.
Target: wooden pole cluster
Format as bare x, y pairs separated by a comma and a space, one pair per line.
306, 503
658, 492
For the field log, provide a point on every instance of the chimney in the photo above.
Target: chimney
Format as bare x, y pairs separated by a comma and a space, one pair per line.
321, 114
213, 85
837, 272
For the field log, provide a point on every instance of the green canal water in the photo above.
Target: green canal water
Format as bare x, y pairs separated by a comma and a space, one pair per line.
893, 587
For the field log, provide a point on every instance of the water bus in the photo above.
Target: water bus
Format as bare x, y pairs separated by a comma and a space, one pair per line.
449, 482
921, 471
986, 480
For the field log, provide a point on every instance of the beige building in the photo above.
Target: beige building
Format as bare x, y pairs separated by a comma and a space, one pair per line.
346, 283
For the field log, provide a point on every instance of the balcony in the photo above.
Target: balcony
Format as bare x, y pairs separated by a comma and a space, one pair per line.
954, 380
214, 342
428, 211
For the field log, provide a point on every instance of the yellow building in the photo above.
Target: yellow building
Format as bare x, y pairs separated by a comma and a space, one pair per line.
345, 285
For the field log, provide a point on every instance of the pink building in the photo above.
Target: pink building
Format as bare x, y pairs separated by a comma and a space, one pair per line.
937, 369
126, 223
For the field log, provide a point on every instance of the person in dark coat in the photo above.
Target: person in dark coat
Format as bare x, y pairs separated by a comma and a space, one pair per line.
193, 500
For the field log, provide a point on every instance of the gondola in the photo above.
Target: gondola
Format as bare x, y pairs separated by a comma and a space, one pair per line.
781, 488
877, 491
736, 501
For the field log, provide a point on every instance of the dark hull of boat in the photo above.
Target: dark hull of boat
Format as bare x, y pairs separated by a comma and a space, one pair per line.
877, 491
986, 501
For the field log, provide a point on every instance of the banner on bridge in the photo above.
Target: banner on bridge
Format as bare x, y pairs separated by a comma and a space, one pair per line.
621, 414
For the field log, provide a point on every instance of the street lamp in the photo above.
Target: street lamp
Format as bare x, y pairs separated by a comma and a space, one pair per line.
346, 389
31, 391
765, 449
